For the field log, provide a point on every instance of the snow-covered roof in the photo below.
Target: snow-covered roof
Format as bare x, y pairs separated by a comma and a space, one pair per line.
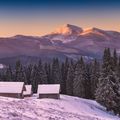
49, 89
28, 90
11, 87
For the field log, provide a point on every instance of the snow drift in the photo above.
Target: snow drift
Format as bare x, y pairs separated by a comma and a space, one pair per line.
67, 108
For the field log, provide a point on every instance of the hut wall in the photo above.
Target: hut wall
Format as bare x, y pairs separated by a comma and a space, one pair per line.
13, 95
54, 96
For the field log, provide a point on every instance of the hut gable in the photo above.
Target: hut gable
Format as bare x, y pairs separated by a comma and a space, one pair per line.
12, 89
28, 91
49, 91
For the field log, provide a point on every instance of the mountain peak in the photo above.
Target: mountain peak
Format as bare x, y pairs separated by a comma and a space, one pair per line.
68, 29
93, 30
19, 36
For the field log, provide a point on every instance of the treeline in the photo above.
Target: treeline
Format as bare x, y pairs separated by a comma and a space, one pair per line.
94, 80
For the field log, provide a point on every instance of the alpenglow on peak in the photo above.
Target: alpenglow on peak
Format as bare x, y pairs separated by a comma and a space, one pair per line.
68, 29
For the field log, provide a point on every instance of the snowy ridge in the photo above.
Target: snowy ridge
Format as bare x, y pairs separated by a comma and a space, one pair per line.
93, 30
63, 39
68, 33
68, 29
65, 33
67, 108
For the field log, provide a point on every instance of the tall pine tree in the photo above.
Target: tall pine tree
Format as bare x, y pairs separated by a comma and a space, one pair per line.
79, 79
56, 72
107, 92
19, 72
95, 73
69, 81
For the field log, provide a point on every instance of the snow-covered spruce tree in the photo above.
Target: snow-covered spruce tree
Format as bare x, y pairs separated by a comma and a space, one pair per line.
38, 76
64, 72
115, 59
48, 72
69, 81
79, 79
8, 74
118, 68
56, 73
88, 84
28, 73
95, 73
107, 92
63, 81
42, 76
19, 72
34, 79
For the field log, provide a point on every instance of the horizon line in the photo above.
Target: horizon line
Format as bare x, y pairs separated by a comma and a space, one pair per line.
43, 34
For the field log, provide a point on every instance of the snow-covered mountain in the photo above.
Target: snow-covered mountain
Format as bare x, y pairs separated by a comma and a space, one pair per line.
65, 33
67, 41
86, 42
68, 29
67, 108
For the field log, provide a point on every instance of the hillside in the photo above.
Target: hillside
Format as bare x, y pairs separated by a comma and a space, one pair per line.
67, 108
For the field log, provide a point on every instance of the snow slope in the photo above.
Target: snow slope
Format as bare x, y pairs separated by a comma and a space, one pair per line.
67, 108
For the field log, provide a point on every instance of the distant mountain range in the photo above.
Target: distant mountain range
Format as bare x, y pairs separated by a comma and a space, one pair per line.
67, 41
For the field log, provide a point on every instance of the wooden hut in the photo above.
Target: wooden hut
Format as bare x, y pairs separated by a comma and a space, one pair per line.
12, 89
49, 91
28, 91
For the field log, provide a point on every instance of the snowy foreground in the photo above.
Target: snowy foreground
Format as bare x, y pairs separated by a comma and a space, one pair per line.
67, 108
